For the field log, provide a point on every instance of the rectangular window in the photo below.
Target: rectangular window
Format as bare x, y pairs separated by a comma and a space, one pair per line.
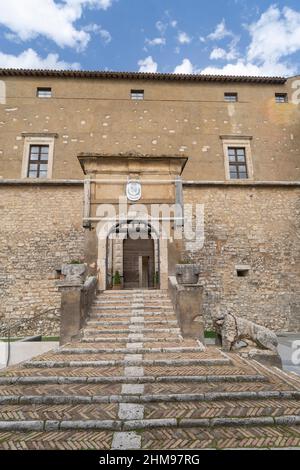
281, 97
237, 163
137, 94
38, 161
231, 97
44, 93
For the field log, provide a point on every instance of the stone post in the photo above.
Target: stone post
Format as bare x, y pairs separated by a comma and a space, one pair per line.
70, 321
187, 300
76, 298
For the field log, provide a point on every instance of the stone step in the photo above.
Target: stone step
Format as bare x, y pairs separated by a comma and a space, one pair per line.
122, 292
104, 301
127, 315
169, 404
134, 320
131, 329
142, 350
132, 360
127, 307
161, 380
143, 424
133, 343
130, 339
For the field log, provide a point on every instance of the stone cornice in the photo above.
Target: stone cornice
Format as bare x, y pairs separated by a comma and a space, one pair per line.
187, 183
28, 182
240, 184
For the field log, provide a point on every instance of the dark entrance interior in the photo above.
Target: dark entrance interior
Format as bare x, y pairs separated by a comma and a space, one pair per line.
138, 263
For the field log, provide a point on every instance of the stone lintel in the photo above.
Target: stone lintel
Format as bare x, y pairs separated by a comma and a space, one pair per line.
126, 163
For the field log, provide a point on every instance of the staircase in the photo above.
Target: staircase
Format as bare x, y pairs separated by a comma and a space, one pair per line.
132, 382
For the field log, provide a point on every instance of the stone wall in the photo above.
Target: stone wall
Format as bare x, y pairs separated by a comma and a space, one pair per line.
41, 228
258, 228
186, 118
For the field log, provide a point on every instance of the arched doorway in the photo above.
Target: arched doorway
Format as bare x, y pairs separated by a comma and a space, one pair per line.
133, 252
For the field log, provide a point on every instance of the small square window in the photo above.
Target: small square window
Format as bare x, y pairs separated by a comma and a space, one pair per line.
281, 97
44, 92
242, 272
137, 94
231, 97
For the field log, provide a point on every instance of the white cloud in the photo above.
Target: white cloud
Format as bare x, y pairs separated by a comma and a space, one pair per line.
186, 67
105, 36
147, 65
218, 53
161, 27
183, 38
156, 42
55, 21
97, 29
242, 67
274, 37
29, 59
220, 32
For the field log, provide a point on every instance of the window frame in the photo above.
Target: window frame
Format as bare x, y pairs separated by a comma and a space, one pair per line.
237, 142
236, 164
40, 89
38, 161
228, 94
134, 93
284, 95
37, 141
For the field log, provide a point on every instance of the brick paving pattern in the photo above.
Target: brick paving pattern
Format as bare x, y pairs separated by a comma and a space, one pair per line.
133, 382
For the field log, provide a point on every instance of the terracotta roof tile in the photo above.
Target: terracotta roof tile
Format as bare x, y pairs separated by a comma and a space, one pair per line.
138, 76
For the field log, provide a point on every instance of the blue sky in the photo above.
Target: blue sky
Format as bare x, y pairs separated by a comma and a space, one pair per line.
182, 36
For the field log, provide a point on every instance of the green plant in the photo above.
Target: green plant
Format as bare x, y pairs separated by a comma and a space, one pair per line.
210, 334
75, 261
117, 279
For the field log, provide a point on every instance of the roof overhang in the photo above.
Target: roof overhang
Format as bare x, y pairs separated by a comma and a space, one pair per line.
167, 77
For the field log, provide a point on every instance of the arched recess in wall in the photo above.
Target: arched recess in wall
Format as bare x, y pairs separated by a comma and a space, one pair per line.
120, 232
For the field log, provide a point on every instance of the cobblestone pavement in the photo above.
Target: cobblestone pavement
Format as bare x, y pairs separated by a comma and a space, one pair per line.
132, 382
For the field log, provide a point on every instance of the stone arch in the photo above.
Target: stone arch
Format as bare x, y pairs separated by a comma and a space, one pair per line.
104, 232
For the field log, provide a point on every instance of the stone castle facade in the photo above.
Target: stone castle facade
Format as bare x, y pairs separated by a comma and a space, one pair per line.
69, 142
